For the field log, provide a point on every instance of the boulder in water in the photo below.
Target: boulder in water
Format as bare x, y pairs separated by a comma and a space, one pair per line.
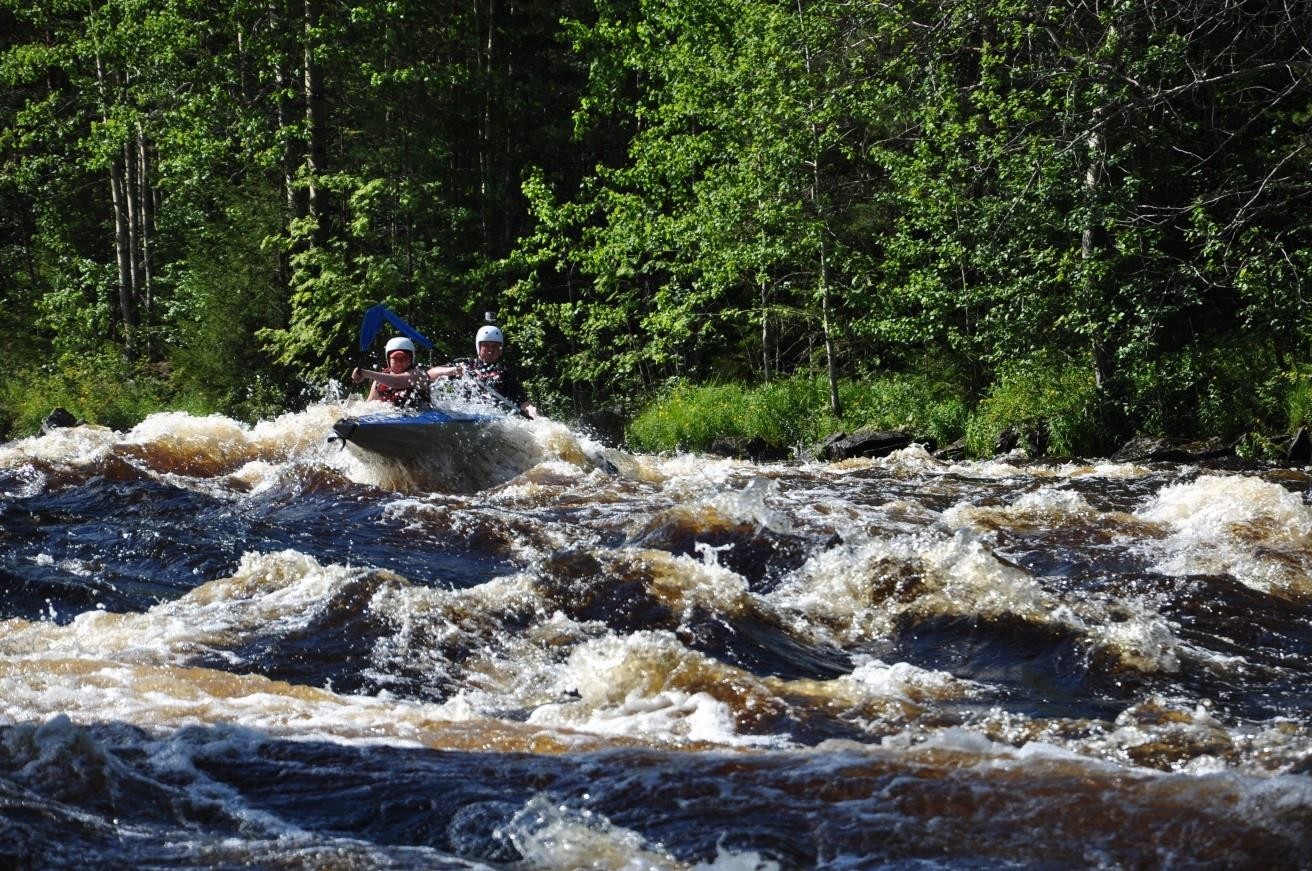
864, 443
1172, 450
1300, 448
606, 425
756, 449
59, 418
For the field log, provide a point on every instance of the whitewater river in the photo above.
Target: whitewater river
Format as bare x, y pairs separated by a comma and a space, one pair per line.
231, 646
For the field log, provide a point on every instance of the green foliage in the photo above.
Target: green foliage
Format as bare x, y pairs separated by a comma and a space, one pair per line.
911, 403
723, 237
98, 387
1209, 388
682, 191
1298, 397
787, 412
1040, 396
75, 310
224, 294
793, 412
688, 418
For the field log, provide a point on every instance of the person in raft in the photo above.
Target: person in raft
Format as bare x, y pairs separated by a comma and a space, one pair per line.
402, 383
489, 371
405, 385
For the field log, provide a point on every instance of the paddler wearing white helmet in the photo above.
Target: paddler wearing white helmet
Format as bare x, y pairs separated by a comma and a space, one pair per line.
401, 382
488, 372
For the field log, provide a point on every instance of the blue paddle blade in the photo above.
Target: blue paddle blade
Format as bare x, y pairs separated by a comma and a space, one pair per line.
373, 322
373, 319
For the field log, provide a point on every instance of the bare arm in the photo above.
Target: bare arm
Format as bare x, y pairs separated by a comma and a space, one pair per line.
444, 372
387, 379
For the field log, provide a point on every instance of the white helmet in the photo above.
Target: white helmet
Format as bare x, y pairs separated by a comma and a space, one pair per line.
489, 334
400, 343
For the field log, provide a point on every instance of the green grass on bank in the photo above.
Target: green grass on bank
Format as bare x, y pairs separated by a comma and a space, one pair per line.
102, 389
794, 412
1030, 398
108, 390
1036, 400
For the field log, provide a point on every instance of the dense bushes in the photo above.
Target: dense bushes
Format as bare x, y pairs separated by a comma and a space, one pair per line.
99, 388
1042, 404
1065, 205
793, 412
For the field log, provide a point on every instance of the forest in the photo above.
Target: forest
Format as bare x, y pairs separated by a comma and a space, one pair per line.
1092, 216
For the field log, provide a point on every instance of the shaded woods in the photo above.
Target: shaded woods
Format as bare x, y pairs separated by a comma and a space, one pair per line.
1094, 215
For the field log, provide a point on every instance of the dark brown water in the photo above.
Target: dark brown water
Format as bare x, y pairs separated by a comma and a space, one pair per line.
236, 647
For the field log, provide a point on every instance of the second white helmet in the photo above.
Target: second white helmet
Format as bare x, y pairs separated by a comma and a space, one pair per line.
489, 334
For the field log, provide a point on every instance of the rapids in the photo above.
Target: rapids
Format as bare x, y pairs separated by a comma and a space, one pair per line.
232, 646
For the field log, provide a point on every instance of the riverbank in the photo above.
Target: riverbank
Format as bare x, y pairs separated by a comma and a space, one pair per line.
1048, 415
791, 418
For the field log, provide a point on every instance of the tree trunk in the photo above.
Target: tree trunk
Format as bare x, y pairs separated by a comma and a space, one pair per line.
765, 333
316, 150
119, 196
835, 404
826, 326
146, 210
123, 251
1090, 243
283, 77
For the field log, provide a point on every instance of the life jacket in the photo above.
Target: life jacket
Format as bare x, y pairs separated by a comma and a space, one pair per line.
414, 396
496, 376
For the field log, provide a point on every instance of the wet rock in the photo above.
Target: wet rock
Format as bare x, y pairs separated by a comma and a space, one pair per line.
1300, 448
1033, 439
863, 443
826, 446
1006, 442
756, 449
606, 425
1172, 450
59, 418
955, 451
1036, 440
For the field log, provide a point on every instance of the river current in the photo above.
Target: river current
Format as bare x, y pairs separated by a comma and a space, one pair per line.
232, 646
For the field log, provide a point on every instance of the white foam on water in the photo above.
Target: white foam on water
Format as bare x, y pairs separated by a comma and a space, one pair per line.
1111, 470
76, 445
858, 593
958, 575
692, 477
1050, 502
750, 505
648, 685
1045, 507
876, 696
687, 584
837, 597
911, 460
279, 590
209, 434
185, 449
578, 449
553, 835
1254, 530
133, 668
914, 459
1141, 638
499, 673
1001, 468
902, 680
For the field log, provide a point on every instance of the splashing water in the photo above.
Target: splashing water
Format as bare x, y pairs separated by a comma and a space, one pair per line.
245, 646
